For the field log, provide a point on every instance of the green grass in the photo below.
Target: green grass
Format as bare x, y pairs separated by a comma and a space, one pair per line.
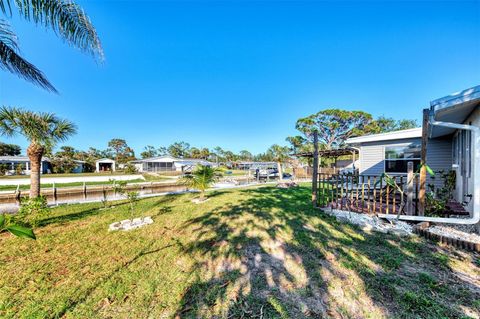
63, 185
251, 253
235, 172
147, 178
67, 175
158, 178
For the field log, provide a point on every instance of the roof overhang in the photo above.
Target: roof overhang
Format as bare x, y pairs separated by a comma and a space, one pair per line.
455, 108
396, 135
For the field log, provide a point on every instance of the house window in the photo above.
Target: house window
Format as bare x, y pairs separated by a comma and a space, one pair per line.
398, 156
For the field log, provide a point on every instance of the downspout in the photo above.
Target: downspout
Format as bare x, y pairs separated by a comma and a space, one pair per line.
476, 181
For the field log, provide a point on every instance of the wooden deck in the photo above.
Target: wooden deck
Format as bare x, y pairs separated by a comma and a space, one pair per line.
369, 194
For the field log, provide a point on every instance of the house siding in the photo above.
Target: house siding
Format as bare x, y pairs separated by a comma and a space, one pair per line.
372, 159
372, 155
439, 156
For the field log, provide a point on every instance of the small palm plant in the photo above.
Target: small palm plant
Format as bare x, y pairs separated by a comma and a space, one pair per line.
201, 178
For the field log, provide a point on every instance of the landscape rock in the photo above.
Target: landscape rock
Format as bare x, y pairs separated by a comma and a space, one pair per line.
287, 185
128, 224
372, 223
199, 200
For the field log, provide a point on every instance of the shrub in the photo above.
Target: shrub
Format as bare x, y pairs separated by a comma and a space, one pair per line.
19, 169
438, 197
31, 211
130, 169
3, 169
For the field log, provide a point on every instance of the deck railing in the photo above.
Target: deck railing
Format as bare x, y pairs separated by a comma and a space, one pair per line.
368, 193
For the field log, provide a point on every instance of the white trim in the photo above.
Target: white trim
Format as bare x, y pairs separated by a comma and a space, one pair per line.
454, 99
396, 135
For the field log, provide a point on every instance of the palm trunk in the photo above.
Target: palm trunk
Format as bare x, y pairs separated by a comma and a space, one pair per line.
35, 152
202, 194
280, 172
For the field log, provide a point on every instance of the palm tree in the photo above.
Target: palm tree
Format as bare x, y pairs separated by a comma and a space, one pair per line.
42, 130
64, 17
201, 178
279, 154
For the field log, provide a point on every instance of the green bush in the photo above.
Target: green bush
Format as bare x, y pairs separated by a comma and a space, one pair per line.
3, 169
19, 169
130, 169
31, 211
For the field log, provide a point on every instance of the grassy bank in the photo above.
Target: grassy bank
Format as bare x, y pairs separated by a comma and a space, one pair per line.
67, 175
147, 178
251, 253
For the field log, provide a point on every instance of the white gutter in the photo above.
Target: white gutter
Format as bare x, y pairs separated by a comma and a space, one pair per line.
476, 181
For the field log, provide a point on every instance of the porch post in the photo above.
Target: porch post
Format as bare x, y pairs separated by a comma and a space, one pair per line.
410, 177
315, 169
423, 161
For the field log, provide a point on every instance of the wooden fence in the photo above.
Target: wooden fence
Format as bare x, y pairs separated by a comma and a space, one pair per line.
368, 193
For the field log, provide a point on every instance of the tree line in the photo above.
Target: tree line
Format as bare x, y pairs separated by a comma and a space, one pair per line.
63, 160
334, 126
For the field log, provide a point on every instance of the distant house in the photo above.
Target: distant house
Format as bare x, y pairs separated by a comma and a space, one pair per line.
80, 168
453, 143
168, 164
105, 165
22, 163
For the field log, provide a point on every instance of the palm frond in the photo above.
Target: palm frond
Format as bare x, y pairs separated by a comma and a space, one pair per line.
5, 7
43, 128
62, 129
201, 178
7, 122
64, 17
11, 60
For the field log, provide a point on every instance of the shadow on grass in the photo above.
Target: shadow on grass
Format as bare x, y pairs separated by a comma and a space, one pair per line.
84, 296
272, 255
99, 209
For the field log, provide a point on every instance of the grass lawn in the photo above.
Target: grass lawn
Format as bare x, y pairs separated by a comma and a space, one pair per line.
147, 178
67, 175
159, 178
63, 185
246, 253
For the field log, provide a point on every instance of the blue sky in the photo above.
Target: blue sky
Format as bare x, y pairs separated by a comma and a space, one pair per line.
239, 74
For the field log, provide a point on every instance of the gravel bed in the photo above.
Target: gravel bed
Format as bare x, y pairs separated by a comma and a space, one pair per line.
452, 232
367, 222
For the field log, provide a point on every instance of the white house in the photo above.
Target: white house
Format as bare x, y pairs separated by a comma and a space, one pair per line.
104, 165
453, 143
168, 164
457, 117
